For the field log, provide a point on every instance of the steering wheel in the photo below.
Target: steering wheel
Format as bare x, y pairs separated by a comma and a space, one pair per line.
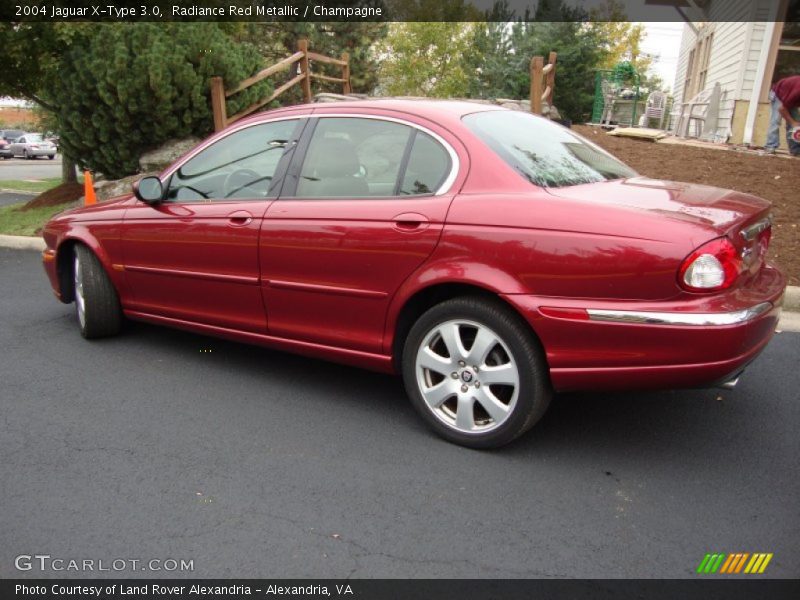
242, 179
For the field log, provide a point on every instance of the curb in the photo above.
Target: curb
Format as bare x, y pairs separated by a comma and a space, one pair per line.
22, 242
791, 298
21, 192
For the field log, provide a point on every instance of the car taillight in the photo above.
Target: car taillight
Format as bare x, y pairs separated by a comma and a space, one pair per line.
713, 266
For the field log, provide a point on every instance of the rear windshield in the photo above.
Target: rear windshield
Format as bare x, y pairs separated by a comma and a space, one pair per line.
543, 152
33, 137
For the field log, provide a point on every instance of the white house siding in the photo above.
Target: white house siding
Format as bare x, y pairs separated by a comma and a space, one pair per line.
687, 43
734, 53
724, 67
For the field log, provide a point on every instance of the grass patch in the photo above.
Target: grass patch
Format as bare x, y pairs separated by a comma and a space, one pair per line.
38, 186
14, 221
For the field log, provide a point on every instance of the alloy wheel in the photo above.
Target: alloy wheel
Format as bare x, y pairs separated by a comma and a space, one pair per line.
467, 376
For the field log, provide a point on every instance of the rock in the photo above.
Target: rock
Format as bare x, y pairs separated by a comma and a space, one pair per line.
329, 97
545, 108
511, 105
553, 114
165, 155
108, 189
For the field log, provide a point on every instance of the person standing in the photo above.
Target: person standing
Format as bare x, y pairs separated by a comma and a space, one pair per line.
784, 98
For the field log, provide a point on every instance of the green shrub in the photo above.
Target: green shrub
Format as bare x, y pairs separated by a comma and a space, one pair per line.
128, 87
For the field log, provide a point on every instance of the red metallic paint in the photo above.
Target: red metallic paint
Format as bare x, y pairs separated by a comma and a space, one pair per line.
330, 277
196, 262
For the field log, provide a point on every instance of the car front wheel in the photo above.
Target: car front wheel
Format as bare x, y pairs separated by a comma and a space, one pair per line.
475, 372
96, 301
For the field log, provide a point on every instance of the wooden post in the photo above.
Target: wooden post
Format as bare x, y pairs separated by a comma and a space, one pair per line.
537, 64
551, 77
302, 46
346, 73
218, 103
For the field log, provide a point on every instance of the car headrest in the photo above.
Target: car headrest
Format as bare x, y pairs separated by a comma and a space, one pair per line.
335, 158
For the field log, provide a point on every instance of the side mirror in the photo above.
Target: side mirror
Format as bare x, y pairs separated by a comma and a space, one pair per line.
149, 190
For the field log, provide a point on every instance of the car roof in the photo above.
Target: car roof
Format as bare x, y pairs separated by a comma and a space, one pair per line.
434, 110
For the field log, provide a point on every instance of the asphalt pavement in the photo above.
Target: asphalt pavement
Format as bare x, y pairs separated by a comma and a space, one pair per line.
40, 168
162, 444
7, 198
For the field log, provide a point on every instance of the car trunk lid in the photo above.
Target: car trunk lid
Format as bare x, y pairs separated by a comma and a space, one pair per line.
716, 212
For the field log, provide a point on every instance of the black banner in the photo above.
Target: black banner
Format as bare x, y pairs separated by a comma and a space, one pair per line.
732, 588
393, 10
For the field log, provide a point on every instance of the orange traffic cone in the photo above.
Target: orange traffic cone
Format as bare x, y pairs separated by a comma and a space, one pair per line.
89, 196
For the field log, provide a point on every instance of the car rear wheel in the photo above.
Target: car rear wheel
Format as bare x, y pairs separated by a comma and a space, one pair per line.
96, 302
475, 372
51, 156
25, 155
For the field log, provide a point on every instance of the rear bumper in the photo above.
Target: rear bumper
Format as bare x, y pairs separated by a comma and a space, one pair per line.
42, 152
693, 342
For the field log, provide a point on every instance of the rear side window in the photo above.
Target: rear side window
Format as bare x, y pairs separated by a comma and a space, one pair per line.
355, 157
428, 166
543, 152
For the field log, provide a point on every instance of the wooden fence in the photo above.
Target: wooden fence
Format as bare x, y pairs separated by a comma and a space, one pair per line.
303, 77
543, 82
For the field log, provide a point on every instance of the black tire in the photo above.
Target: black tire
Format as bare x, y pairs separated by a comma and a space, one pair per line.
51, 156
102, 315
511, 346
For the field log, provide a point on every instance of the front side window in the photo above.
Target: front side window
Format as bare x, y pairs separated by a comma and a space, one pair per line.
353, 157
238, 167
543, 152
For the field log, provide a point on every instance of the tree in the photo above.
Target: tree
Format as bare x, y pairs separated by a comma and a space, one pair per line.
423, 57
31, 56
622, 40
127, 88
426, 59
277, 40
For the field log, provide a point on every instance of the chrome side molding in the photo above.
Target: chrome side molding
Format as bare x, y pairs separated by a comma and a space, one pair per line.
679, 318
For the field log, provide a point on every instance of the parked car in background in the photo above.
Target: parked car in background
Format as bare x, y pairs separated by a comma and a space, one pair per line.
53, 138
11, 135
7, 136
32, 145
489, 256
5, 149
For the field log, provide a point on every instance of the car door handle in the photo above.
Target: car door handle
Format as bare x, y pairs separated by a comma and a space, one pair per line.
240, 218
409, 222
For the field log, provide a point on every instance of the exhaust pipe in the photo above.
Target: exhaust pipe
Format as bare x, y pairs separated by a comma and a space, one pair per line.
731, 383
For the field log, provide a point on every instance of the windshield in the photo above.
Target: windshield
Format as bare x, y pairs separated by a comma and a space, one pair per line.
33, 137
543, 152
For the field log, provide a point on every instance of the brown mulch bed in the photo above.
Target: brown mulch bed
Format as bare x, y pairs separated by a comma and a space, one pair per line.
771, 177
61, 194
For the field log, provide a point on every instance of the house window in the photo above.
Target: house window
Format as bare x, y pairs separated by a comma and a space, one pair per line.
697, 66
787, 61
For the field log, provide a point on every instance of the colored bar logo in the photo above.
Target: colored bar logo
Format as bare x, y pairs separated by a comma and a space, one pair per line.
736, 563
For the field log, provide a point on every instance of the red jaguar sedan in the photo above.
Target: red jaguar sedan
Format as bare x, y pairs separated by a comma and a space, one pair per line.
489, 256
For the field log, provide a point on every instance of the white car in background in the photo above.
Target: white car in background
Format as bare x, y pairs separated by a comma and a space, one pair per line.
31, 145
